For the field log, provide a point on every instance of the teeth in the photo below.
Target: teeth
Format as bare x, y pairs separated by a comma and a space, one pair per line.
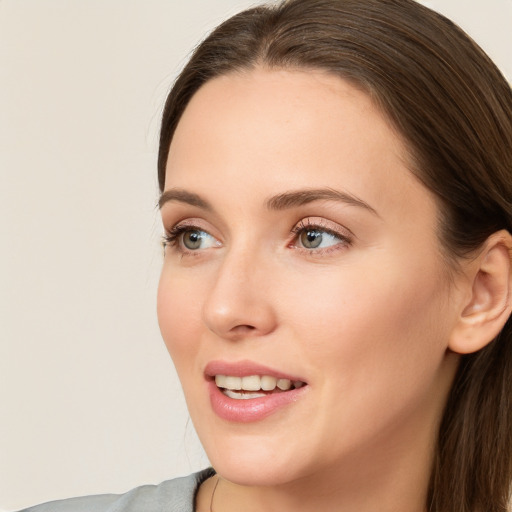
284, 384
242, 396
254, 383
233, 383
268, 383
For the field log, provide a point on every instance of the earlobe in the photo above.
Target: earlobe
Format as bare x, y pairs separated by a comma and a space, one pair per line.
490, 304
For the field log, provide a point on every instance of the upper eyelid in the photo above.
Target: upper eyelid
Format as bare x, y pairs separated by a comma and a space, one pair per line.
173, 218
189, 223
180, 228
319, 223
323, 225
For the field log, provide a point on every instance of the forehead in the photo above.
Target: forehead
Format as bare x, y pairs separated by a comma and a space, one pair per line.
266, 130
263, 105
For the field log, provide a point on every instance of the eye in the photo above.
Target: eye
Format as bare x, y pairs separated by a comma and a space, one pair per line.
316, 238
313, 236
189, 238
194, 239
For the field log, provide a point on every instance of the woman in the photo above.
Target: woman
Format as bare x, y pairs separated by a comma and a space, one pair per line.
336, 288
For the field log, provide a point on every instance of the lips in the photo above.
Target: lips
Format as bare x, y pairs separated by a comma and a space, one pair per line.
245, 391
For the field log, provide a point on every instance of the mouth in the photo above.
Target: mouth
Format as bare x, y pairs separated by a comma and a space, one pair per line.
246, 391
254, 386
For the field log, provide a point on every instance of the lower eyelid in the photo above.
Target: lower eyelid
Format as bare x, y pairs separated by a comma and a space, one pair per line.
321, 252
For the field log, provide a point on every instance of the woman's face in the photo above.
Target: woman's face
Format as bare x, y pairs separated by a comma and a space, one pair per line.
301, 250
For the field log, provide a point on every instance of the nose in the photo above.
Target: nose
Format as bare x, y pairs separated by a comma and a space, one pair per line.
239, 303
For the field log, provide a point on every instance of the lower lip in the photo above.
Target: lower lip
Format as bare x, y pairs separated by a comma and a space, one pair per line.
252, 409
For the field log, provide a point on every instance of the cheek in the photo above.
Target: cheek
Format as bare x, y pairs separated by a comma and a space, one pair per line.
383, 322
375, 344
179, 317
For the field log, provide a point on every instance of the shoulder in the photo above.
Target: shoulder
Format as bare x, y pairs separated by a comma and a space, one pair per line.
175, 495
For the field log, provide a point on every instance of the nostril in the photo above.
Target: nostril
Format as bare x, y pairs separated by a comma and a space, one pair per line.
243, 328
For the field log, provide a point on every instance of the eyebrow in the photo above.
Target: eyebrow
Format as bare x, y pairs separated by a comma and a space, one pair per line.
183, 196
297, 198
284, 201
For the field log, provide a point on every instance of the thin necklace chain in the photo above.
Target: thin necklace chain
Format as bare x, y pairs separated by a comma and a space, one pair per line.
213, 493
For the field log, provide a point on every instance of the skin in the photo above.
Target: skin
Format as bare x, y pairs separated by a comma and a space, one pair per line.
366, 319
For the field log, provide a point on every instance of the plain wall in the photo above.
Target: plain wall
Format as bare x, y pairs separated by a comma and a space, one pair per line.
89, 401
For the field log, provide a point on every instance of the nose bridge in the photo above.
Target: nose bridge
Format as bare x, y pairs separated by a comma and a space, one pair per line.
237, 303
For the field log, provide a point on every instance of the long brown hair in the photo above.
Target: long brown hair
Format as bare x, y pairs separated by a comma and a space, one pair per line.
454, 109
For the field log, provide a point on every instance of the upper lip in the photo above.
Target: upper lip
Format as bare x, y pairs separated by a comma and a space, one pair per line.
244, 369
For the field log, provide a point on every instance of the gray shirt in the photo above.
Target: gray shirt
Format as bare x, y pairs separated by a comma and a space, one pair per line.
177, 495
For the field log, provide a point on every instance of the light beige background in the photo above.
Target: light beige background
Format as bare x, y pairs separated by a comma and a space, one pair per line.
89, 401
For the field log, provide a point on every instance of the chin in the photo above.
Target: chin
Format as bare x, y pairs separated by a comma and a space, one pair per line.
257, 460
252, 473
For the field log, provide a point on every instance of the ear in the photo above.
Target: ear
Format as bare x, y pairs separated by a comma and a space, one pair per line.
490, 302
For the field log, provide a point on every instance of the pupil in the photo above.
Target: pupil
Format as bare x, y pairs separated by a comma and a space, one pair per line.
312, 239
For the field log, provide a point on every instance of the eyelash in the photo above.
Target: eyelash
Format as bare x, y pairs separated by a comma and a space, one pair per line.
172, 237
308, 225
